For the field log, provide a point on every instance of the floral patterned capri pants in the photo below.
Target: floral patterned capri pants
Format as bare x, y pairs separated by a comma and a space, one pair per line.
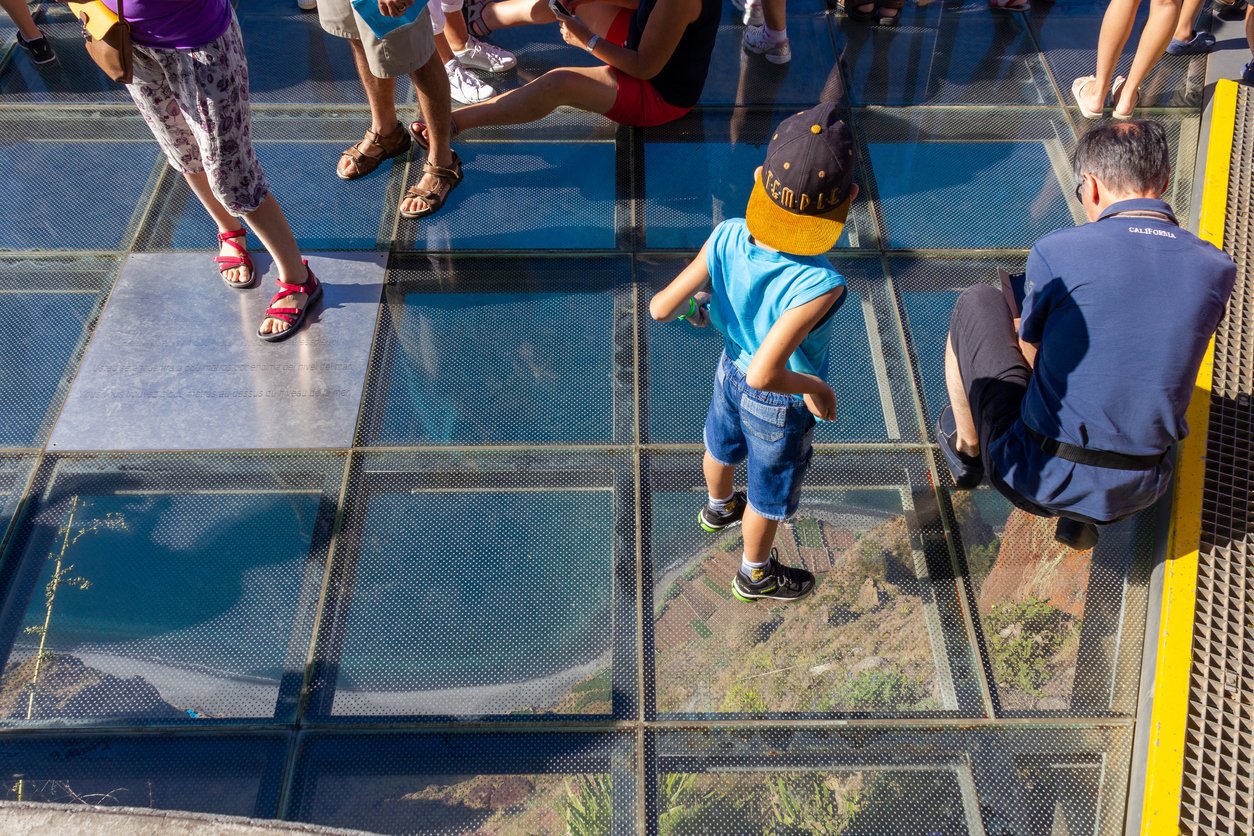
196, 103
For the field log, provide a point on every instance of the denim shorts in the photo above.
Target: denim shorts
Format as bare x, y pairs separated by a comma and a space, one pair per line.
772, 431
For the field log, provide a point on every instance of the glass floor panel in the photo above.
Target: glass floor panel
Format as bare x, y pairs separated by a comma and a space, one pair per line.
994, 780
226, 774
881, 635
136, 579
546, 375
299, 153
959, 54
492, 783
36, 361
491, 610
522, 608
52, 161
1054, 617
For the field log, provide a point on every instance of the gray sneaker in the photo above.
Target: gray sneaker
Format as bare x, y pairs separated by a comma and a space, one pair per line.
484, 56
712, 520
776, 581
755, 40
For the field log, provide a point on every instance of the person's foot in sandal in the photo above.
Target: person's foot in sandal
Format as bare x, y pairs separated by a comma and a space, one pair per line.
429, 193
234, 263
367, 155
289, 307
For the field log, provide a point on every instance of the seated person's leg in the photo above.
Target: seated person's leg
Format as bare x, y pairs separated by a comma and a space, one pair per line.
588, 88
986, 376
507, 13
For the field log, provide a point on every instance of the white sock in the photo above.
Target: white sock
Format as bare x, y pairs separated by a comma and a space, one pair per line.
719, 506
748, 567
776, 36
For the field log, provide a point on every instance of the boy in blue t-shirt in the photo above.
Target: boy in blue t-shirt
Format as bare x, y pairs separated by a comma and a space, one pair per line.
764, 284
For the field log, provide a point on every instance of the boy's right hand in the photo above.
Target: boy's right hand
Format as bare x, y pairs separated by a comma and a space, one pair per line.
822, 404
701, 317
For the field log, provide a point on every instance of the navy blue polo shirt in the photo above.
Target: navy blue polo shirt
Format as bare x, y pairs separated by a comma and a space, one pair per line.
1122, 310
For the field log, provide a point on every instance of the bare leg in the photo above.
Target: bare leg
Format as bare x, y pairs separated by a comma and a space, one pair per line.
773, 12
225, 221
268, 221
1149, 49
455, 31
1249, 28
431, 84
968, 440
1188, 16
718, 476
380, 96
516, 13
1116, 29
587, 88
759, 534
20, 12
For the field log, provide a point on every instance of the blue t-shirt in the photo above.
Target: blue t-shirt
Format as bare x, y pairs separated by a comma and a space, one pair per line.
1122, 310
751, 287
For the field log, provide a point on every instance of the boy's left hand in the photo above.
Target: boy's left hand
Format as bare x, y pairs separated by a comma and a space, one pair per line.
701, 318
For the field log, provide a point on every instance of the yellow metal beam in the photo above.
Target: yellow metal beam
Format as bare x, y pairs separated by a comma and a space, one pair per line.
1165, 765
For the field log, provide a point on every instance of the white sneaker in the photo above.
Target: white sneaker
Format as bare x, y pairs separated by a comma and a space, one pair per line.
751, 12
465, 86
485, 56
756, 40
307, 5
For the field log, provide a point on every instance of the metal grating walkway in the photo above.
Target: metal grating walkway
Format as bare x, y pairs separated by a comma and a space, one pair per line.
1218, 782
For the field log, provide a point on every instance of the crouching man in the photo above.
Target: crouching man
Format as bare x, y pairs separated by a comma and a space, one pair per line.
1073, 403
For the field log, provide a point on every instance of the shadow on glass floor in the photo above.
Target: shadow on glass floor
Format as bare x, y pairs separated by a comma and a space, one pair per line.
881, 636
37, 361
164, 589
868, 369
1063, 628
487, 783
223, 774
503, 351
522, 566
950, 179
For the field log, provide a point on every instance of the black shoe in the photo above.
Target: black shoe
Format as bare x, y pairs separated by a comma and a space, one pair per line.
968, 471
1080, 536
783, 583
712, 520
40, 50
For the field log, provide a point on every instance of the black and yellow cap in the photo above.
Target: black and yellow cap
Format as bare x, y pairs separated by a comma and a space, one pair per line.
801, 198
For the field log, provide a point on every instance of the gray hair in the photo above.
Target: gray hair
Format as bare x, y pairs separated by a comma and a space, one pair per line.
1130, 157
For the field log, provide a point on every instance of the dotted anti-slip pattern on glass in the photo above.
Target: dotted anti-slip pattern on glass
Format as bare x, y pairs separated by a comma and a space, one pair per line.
486, 605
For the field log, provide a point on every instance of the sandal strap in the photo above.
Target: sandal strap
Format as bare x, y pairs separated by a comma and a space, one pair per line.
441, 172
233, 260
227, 237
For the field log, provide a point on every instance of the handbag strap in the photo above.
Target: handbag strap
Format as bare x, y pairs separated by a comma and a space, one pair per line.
121, 16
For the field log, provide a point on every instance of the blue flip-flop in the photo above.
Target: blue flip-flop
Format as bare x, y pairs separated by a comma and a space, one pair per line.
967, 471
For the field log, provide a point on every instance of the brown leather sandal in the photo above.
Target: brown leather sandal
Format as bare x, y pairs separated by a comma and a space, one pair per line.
448, 179
391, 145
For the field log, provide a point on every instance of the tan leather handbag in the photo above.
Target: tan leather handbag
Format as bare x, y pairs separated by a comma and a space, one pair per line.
107, 37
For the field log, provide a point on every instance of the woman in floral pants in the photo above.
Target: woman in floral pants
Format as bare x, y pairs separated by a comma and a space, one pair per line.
191, 85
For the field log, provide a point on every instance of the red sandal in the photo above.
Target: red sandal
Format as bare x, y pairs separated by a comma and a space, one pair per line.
230, 262
294, 317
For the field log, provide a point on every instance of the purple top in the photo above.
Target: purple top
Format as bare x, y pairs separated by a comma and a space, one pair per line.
175, 24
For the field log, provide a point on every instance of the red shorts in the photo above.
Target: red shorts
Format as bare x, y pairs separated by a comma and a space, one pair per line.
637, 103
